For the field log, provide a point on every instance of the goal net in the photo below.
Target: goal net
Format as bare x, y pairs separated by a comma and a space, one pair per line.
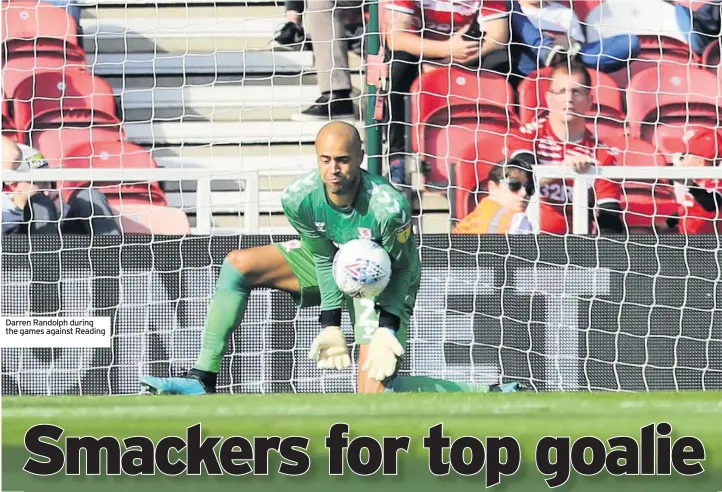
205, 100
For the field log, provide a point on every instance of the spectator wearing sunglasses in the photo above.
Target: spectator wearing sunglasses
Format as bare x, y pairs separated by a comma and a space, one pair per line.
503, 210
563, 139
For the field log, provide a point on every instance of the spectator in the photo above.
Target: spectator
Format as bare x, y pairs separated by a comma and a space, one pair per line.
475, 34
702, 25
702, 198
29, 207
503, 211
326, 22
25, 207
544, 31
291, 34
562, 138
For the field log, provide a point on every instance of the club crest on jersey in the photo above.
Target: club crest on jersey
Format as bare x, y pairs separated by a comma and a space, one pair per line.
320, 226
364, 233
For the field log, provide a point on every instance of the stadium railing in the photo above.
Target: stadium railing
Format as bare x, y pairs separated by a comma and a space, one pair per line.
582, 183
204, 199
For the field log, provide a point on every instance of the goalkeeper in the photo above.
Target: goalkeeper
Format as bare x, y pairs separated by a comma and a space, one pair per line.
338, 203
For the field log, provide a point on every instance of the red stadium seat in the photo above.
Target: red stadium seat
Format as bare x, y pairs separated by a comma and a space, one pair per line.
711, 56
449, 106
664, 102
656, 51
142, 207
607, 117
151, 219
672, 145
662, 48
61, 97
35, 25
8, 127
20, 66
56, 143
643, 201
469, 172
123, 155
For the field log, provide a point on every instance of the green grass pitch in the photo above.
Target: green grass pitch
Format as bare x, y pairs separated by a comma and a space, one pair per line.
526, 416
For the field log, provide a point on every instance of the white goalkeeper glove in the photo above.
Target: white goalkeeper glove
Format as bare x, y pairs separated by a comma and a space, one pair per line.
383, 353
329, 349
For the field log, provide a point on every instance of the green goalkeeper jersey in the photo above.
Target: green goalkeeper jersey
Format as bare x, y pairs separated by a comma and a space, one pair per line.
379, 213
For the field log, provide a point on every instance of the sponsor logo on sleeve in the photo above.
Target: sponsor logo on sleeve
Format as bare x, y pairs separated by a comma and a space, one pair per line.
404, 233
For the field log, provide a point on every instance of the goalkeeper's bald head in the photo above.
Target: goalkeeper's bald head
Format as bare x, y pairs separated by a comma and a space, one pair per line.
339, 152
342, 134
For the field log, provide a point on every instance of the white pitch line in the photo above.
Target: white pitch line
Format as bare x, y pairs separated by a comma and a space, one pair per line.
496, 407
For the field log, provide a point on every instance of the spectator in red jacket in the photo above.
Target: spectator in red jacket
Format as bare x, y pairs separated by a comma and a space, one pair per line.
473, 33
702, 202
562, 139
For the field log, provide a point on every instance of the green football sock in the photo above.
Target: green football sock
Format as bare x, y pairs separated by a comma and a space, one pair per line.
227, 309
421, 384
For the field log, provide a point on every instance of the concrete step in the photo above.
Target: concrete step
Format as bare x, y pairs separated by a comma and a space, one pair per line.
194, 30
215, 115
203, 154
218, 115
241, 97
220, 62
268, 165
254, 132
152, 82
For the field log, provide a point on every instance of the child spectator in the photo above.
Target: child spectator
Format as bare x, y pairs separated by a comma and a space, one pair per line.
503, 211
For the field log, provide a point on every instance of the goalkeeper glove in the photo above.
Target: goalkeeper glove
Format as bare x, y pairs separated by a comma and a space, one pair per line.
329, 349
383, 353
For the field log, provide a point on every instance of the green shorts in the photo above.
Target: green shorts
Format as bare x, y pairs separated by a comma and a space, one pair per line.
363, 312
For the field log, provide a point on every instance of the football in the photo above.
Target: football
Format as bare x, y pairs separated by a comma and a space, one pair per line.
361, 268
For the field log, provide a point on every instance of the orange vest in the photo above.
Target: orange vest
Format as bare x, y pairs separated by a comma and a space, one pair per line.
489, 217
